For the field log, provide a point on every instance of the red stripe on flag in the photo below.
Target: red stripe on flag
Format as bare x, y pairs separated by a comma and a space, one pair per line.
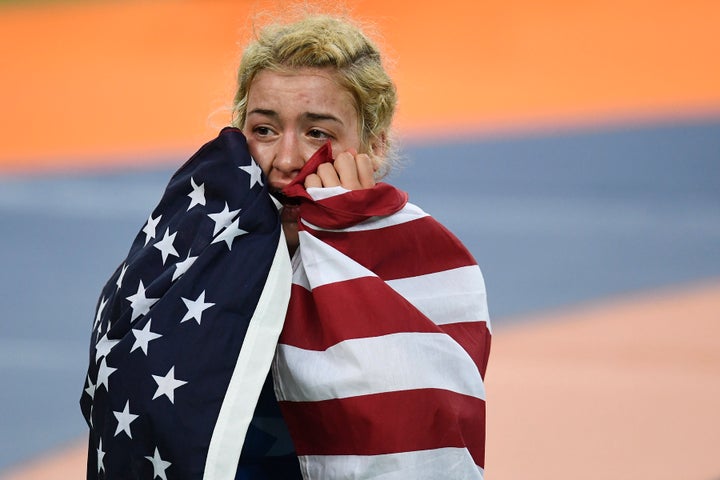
406, 250
353, 206
343, 307
474, 338
391, 422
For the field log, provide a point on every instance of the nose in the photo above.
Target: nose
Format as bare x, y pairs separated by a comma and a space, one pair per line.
288, 158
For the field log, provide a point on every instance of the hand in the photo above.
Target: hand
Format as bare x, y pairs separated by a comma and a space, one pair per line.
351, 170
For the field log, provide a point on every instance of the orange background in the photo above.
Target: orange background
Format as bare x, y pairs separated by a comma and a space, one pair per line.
101, 82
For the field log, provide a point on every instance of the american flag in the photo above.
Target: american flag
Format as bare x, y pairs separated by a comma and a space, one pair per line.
379, 371
186, 328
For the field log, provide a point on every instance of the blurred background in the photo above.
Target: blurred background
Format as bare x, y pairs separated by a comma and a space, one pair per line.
574, 147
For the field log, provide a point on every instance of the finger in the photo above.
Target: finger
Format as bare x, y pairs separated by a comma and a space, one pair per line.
346, 168
365, 170
313, 180
328, 176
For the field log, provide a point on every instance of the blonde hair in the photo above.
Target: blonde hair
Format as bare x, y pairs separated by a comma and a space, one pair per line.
324, 41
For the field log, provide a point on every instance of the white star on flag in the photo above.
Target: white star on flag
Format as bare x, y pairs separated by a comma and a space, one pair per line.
223, 218
100, 455
121, 276
255, 173
183, 266
103, 376
159, 465
124, 418
195, 308
166, 245
139, 303
143, 337
104, 346
197, 196
90, 390
167, 385
150, 227
98, 315
230, 233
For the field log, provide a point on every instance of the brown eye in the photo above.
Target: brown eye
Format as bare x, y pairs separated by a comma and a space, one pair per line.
319, 134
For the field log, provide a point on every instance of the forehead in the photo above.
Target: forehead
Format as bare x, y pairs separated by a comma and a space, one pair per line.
308, 89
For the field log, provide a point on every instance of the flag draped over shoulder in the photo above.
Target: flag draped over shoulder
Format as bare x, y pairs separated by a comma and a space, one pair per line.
379, 370
377, 334
186, 328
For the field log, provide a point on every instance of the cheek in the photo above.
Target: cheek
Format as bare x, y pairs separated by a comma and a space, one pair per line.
349, 142
261, 155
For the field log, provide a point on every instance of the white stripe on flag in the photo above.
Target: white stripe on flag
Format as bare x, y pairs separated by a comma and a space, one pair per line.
363, 366
455, 463
451, 296
299, 276
321, 193
325, 265
251, 369
408, 213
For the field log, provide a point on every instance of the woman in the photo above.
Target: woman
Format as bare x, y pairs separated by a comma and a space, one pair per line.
301, 85
377, 335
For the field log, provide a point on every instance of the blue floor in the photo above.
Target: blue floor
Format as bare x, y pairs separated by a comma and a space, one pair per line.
553, 219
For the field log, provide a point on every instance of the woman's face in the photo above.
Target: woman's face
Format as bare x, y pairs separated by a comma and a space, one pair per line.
290, 115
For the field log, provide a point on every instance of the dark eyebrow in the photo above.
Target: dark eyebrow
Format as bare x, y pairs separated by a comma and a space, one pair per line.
263, 111
322, 116
312, 116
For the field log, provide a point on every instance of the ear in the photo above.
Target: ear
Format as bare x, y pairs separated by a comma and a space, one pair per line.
378, 146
